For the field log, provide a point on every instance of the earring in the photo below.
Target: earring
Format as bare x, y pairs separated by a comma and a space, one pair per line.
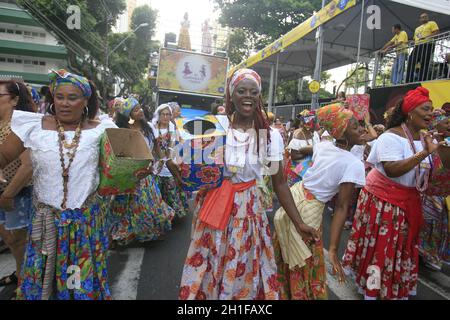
131, 121
86, 110
51, 109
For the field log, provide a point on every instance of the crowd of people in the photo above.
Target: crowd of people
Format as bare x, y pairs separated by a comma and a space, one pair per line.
388, 183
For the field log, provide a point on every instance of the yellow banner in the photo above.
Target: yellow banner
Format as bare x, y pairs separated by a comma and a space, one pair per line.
439, 92
331, 10
191, 72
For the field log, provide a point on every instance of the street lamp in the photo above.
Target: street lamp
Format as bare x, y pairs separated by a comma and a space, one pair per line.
108, 53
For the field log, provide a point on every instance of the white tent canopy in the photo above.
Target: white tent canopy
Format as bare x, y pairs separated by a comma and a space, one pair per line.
429, 5
341, 35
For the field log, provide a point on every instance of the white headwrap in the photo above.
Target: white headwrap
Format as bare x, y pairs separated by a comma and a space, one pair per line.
155, 119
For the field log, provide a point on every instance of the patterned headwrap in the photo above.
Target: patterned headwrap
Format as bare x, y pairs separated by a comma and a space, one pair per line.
115, 104
415, 98
243, 74
335, 119
439, 115
62, 76
310, 120
127, 106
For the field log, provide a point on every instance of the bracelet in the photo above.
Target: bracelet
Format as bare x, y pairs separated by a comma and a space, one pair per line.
419, 156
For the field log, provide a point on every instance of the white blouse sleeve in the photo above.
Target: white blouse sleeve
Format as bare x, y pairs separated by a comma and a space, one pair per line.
354, 173
388, 148
25, 125
106, 123
276, 147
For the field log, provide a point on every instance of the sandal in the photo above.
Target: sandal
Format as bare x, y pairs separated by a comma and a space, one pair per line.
8, 280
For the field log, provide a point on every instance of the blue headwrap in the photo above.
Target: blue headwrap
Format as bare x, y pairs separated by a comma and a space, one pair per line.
128, 105
64, 77
35, 95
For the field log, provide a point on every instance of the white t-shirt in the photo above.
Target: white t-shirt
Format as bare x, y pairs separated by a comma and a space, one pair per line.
392, 147
332, 166
164, 171
84, 174
247, 163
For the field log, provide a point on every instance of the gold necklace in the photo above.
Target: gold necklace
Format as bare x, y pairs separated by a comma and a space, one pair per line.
62, 135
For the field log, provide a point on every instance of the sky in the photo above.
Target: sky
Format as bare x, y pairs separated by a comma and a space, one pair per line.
170, 15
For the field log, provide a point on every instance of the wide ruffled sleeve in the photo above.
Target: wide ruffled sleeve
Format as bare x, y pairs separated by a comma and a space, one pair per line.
106, 123
25, 125
276, 146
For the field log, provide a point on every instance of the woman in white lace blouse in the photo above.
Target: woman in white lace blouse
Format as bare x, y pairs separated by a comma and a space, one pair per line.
66, 252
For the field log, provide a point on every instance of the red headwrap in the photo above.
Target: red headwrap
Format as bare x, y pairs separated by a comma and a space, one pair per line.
415, 98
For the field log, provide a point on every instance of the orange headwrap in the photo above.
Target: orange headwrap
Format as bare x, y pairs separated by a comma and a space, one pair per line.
335, 119
415, 98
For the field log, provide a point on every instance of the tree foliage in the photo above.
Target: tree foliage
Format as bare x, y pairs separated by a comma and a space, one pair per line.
239, 46
132, 57
287, 91
264, 21
87, 47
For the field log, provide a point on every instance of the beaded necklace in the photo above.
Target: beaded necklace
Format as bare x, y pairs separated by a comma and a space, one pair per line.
72, 150
421, 184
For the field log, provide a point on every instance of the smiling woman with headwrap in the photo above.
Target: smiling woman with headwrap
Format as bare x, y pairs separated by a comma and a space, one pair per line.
335, 171
231, 255
382, 250
68, 230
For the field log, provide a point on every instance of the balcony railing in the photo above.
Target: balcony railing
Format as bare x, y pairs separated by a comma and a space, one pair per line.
420, 62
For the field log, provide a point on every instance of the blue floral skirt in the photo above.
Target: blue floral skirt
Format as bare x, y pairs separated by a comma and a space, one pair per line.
66, 254
142, 216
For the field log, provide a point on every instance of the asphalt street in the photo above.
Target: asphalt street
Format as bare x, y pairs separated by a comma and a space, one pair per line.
152, 271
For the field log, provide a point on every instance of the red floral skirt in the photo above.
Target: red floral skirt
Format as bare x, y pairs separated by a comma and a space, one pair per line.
237, 263
377, 254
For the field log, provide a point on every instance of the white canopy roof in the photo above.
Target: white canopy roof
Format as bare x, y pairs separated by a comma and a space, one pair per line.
341, 33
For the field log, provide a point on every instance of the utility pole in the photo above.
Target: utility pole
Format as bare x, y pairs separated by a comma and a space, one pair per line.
318, 68
105, 67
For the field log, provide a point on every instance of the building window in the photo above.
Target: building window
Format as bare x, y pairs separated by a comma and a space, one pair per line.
2, 59
27, 33
27, 62
19, 32
35, 34
42, 35
42, 63
19, 61
36, 63
10, 60
10, 31
2, 30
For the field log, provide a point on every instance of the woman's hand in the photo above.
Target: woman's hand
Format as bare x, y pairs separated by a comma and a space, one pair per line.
430, 146
308, 233
337, 267
7, 204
